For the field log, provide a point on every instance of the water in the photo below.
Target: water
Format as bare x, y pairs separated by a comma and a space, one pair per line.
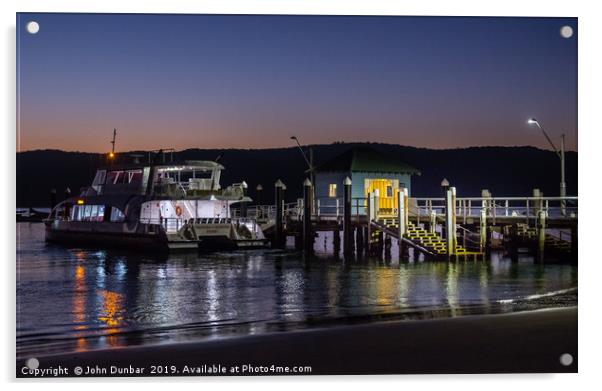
75, 299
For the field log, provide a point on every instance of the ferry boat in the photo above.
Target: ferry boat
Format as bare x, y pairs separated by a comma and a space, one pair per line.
156, 206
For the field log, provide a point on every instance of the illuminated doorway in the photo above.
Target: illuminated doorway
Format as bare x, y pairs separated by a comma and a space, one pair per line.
387, 194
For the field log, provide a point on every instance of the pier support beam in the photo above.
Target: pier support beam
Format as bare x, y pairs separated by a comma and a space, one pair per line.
359, 239
433, 223
371, 214
308, 239
541, 234
336, 242
347, 228
450, 220
537, 204
279, 228
388, 243
483, 230
402, 218
514, 243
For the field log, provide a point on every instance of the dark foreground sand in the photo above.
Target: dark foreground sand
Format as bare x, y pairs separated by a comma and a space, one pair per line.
519, 342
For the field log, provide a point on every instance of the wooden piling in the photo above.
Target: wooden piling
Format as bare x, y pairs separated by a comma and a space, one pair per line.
402, 218
483, 229
359, 239
278, 229
387, 245
336, 242
433, 222
537, 194
308, 239
370, 215
541, 234
347, 228
450, 221
514, 243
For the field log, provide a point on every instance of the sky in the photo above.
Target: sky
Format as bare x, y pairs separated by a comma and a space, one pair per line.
236, 81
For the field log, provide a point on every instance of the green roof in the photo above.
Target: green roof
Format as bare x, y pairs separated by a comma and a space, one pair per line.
366, 159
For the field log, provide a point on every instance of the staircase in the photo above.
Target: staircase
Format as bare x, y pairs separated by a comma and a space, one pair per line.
428, 240
551, 242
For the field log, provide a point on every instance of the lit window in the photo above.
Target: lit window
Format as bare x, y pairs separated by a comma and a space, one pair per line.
117, 215
332, 190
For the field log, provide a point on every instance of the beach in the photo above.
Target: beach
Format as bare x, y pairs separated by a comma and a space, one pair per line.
525, 342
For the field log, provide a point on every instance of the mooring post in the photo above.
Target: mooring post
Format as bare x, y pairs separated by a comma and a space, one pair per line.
450, 220
375, 204
347, 228
370, 215
483, 230
402, 217
514, 243
336, 241
433, 224
243, 205
537, 201
541, 234
387, 244
359, 239
279, 231
308, 240
52, 198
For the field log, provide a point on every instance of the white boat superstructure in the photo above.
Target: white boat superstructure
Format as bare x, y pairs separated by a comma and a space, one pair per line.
167, 206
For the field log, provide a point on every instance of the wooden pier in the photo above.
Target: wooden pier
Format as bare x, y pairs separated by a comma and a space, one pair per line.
440, 228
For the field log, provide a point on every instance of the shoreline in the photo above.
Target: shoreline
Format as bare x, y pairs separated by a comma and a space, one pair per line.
523, 342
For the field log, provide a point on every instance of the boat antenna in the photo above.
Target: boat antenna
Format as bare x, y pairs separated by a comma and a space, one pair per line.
219, 157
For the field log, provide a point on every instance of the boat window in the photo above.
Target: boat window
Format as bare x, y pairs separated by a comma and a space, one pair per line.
117, 215
114, 177
88, 213
134, 176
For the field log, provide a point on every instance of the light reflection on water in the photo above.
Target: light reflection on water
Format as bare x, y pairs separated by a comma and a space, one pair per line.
79, 299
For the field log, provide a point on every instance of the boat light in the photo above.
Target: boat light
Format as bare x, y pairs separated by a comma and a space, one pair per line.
80, 202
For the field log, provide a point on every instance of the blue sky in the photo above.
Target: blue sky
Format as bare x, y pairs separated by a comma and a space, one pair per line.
221, 81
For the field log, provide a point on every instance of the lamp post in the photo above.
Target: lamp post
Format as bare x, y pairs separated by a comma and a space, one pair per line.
310, 165
560, 154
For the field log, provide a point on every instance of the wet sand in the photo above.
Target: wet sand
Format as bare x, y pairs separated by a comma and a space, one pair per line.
527, 342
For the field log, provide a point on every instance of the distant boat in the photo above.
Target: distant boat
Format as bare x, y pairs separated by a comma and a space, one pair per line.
32, 214
148, 207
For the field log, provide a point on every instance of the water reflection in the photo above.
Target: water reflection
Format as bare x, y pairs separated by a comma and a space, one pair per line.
86, 299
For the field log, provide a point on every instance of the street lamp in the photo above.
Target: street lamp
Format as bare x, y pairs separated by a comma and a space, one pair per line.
310, 165
303, 152
560, 154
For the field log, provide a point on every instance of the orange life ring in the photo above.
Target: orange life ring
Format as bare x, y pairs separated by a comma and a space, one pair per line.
178, 210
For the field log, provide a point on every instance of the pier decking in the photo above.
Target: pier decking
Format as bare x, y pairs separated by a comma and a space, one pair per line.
469, 227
